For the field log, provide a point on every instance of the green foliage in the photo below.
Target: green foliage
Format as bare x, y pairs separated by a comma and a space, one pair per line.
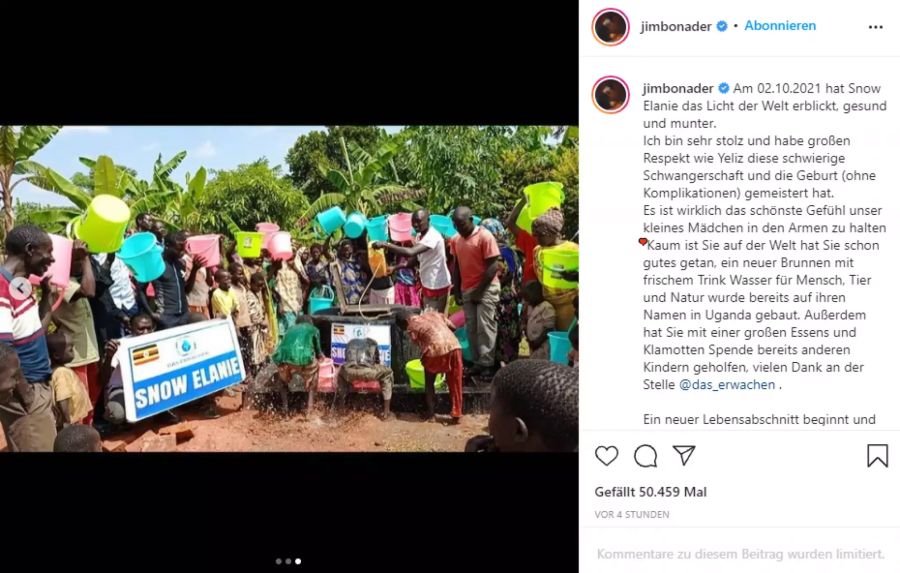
250, 194
366, 183
16, 149
486, 168
51, 219
354, 167
322, 149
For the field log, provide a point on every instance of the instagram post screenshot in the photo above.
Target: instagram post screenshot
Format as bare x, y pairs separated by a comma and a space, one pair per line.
739, 408
265, 310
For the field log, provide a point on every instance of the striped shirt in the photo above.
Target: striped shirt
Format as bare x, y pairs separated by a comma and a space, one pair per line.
20, 327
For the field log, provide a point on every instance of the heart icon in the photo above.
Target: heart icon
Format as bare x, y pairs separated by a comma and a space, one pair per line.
607, 455
642, 240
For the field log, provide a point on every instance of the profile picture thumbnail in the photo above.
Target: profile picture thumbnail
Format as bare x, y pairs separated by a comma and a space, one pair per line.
611, 26
611, 94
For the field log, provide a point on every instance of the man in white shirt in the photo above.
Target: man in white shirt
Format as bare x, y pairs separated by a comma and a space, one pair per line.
432, 256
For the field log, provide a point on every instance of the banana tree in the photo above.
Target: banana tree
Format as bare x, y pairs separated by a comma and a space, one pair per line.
107, 179
16, 149
365, 184
154, 195
179, 208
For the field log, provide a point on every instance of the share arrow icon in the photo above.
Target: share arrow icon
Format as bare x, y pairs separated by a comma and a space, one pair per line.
685, 452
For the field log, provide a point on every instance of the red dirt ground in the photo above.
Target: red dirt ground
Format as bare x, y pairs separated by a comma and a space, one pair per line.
355, 431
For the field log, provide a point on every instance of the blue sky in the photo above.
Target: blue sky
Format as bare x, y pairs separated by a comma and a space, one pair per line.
213, 147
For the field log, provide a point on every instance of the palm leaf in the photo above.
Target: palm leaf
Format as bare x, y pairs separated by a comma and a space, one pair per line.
232, 226
121, 184
33, 138
151, 202
339, 180
88, 162
393, 194
165, 169
28, 167
160, 183
54, 218
7, 145
359, 154
197, 184
325, 201
384, 156
128, 185
105, 177
62, 186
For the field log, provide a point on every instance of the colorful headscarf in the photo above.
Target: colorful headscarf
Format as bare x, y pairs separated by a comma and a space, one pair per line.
550, 224
496, 228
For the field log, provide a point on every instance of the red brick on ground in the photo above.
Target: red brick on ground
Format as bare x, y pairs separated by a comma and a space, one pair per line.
115, 446
157, 443
182, 432
135, 446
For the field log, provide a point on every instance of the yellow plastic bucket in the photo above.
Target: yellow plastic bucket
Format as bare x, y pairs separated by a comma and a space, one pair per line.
416, 373
104, 223
378, 262
524, 220
554, 261
542, 197
249, 244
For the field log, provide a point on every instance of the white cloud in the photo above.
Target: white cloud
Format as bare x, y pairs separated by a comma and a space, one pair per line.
85, 129
150, 147
205, 150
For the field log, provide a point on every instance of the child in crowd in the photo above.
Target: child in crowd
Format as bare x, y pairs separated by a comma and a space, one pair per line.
240, 285
317, 266
406, 288
198, 297
541, 320
289, 285
534, 408
261, 343
70, 395
224, 301
78, 438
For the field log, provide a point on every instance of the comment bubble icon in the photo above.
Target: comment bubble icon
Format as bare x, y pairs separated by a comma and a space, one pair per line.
645, 456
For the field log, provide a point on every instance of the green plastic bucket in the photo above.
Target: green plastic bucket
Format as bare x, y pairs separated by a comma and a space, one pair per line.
249, 244
416, 373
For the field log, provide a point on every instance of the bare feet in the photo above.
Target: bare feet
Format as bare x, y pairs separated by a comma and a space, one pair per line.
386, 417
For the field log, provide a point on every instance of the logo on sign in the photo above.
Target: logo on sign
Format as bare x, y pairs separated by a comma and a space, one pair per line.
185, 346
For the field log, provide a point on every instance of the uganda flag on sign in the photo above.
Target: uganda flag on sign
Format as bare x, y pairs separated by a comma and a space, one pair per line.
144, 354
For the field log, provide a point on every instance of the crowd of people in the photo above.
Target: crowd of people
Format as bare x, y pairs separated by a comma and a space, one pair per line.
60, 377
